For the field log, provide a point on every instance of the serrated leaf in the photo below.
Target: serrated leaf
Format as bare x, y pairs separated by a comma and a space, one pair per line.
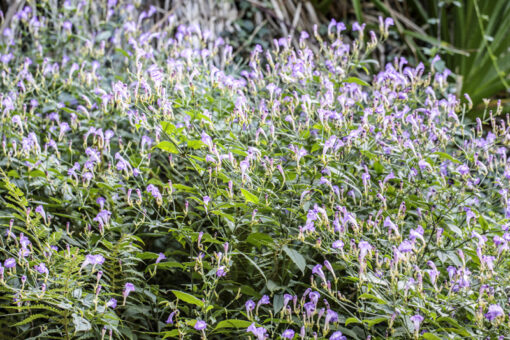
30, 319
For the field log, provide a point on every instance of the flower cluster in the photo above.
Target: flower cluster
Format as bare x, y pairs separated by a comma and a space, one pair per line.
307, 193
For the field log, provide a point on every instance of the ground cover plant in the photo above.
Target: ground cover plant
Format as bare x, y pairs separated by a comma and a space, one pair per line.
151, 188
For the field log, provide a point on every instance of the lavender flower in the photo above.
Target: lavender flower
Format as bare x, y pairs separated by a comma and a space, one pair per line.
161, 257
10, 263
288, 334
364, 248
93, 260
221, 271
416, 320
495, 311
337, 336
170, 319
259, 332
200, 325
112, 303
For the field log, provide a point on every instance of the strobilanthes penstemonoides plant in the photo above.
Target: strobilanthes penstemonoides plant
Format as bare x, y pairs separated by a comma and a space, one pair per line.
153, 188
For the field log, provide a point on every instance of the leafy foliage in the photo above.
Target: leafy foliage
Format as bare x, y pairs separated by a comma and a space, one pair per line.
152, 188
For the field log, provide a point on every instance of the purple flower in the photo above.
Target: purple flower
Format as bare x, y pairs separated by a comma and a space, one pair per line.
93, 260
170, 319
495, 311
10, 263
314, 297
331, 316
364, 249
101, 201
264, 300
154, 191
463, 169
67, 25
317, 270
112, 303
41, 268
337, 336
128, 288
406, 246
161, 257
206, 200
221, 271
288, 334
40, 210
259, 332
433, 273
338, 244
250, 305
416, 320
200, 325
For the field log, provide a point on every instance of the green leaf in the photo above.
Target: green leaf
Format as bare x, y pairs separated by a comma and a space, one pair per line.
171, 334
444, 155
430, 336
168, 127
372, 297
188, 298
233, 323
249, 197
121, 51
167, 146
195, 144
30, 319
259, 239
351, 320
296, 257
374, 321
356, 81
36, 173
81, 324
13, 173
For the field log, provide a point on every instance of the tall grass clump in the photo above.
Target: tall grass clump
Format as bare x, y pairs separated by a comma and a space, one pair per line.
150, 188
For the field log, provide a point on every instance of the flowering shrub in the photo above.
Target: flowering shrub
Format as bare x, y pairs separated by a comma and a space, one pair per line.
153, 189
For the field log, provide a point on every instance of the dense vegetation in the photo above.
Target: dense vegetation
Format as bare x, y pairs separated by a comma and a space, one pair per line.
153, 189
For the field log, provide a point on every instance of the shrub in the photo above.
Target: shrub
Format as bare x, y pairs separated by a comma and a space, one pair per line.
148, 191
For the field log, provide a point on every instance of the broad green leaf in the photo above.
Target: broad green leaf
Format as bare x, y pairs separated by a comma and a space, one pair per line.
188, 298
356, 81
168, 127
174, 333
195, 144
249, 197
81, 324
352, 320
430, 336
444, 155
259, 239
123, 52
296, 257
374, 321
233, 323
372, 297
167, 146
